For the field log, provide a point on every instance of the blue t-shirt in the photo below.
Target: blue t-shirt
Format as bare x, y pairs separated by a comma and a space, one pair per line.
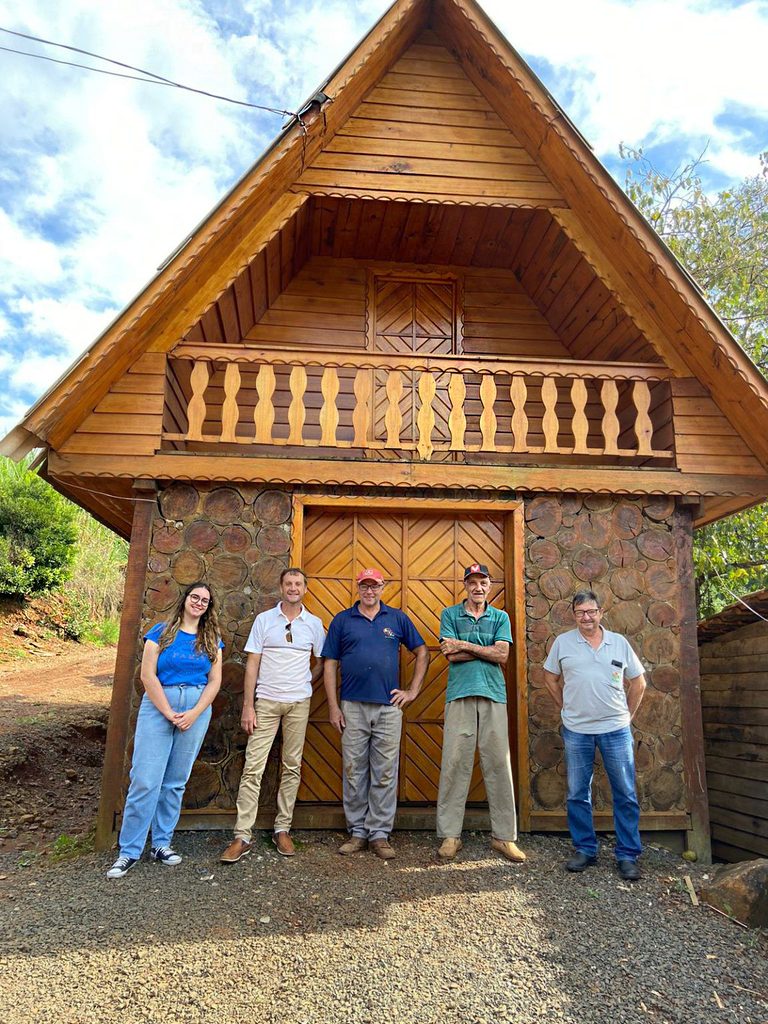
180, 664
369, 652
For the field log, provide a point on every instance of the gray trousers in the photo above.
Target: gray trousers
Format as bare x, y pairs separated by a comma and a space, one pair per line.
370, 748
476, 722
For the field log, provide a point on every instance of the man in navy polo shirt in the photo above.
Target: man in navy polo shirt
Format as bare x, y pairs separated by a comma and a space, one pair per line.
365, 640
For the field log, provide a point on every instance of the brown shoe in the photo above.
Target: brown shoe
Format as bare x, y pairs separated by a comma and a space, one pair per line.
509, 850
449, 849
382, 848
284, 844
235, 851
353, 845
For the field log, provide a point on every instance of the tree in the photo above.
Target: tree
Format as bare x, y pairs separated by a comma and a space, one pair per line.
722, 241
37, 533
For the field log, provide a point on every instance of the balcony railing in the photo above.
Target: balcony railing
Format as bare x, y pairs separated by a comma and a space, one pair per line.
419, 406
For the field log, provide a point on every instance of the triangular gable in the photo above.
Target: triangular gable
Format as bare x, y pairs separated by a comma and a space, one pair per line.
625, 254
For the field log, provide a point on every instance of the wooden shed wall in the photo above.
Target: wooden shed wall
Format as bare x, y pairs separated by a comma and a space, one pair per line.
734, 697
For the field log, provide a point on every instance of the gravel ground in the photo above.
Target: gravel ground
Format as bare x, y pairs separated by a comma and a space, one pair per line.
321, 939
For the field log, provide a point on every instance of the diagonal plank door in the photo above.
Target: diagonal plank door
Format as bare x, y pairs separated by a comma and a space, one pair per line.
420, 556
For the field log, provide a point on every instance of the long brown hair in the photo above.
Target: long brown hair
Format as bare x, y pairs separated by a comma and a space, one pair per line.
208, 632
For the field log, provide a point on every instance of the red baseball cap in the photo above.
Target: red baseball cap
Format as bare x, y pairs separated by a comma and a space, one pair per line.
370, 574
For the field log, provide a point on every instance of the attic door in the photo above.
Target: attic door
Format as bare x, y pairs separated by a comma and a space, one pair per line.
416, 317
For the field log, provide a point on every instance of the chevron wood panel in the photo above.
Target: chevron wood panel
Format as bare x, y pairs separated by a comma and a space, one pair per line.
421, 557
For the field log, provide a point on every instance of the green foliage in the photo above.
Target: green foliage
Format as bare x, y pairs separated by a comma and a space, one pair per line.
66, 847
99, 570
37, 533
722, 240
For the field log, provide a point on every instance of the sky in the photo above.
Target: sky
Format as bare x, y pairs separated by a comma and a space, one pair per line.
101, 177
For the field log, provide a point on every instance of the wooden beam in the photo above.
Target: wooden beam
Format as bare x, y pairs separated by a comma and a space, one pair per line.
580, 480
125, 665
698, 838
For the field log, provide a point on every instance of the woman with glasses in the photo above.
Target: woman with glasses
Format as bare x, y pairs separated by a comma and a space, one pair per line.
181, 674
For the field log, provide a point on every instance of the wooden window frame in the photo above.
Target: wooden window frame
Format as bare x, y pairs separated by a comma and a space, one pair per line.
413, 276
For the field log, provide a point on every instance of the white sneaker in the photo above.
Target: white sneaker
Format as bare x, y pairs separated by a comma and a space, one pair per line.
121, 867
165, 855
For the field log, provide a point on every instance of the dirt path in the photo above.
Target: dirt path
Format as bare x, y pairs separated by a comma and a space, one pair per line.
53, 714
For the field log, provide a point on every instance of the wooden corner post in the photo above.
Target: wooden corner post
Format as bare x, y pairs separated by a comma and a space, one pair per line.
144, 512
698, 837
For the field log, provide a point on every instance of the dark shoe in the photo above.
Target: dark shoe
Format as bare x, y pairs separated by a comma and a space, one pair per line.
121, 866
283, 844
165, 855
579, 861
382, 848
236, 849
353, 845
628, 870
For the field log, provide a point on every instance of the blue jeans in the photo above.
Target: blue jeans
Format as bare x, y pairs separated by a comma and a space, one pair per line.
618, 754
162, 762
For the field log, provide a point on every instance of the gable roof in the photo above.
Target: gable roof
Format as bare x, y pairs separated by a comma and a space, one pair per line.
590, 207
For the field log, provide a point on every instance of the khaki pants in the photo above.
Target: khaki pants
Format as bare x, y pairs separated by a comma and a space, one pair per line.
269, 715
476, 722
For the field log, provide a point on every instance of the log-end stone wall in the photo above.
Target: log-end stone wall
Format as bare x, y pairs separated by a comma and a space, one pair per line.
623, 549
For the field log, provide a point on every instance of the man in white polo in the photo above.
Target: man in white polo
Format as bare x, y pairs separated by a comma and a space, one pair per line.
585, 672
279, 648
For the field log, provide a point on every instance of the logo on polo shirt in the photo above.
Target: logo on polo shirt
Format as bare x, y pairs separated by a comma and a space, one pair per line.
389, 634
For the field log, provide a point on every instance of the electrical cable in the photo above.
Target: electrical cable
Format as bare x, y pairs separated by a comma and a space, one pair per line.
153, 79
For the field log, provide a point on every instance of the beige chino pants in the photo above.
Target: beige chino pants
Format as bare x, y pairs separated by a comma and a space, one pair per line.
269, 715
476, 722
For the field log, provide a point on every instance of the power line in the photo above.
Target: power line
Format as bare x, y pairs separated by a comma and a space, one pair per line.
153, 79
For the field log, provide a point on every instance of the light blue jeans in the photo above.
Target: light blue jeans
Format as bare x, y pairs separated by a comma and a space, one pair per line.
618, 754
162, 762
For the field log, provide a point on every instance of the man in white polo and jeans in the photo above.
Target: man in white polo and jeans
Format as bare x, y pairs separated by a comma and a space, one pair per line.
279, 648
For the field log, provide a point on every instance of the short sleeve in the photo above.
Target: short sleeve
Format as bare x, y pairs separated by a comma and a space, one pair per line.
634, 666
411, 636
503, 629
552, 664
332, 645
318, 640
255, 642
221, 644
155, 633
447, 628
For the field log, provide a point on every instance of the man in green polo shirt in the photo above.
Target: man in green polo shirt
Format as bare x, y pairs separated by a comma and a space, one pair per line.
475, 638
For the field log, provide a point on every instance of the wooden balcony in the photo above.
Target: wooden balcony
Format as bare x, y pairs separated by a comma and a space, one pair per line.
417, 408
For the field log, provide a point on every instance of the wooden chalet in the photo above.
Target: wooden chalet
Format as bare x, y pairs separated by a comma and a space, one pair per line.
426, 328
733, 648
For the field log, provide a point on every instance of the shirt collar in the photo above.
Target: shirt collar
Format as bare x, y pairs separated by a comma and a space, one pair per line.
606, 638
464, 611
281, 613
355, 610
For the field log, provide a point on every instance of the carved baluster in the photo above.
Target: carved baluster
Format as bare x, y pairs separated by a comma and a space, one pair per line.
329, 414
609, 395
550, 423
580, 422
426, 417
394, 417
457, 421
488, 416
264, 413
518, 392
297, 413
196, 412
230, 413
641, 396
361, 417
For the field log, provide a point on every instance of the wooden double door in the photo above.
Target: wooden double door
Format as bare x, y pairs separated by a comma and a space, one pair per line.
420, 556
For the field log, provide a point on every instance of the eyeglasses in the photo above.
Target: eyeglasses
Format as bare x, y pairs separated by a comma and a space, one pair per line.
370, 586
202, 601
590, 613
288, 633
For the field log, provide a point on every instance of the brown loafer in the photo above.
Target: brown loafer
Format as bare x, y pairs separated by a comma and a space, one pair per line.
509, 850
353, 845
284, 844
382, 848
236, 850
